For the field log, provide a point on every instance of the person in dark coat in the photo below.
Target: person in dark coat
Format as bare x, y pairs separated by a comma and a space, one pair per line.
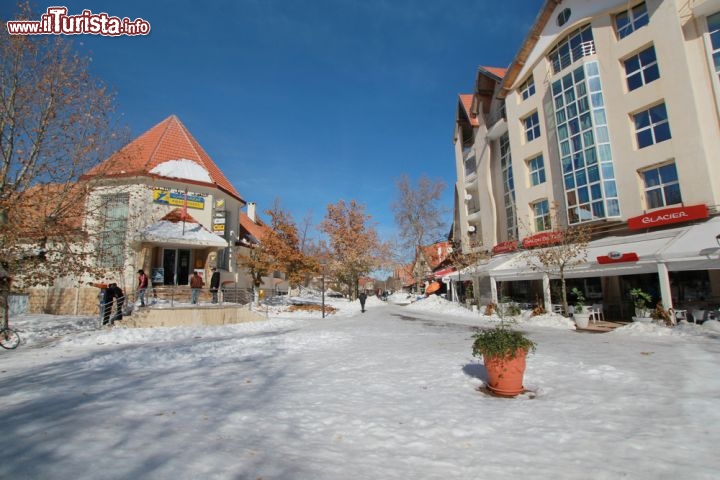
107, 305
118, 295
214, 284
362, 298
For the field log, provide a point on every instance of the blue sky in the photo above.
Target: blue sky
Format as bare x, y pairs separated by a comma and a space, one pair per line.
309, 101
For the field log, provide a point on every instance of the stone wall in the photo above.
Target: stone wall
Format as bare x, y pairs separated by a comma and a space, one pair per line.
64, 301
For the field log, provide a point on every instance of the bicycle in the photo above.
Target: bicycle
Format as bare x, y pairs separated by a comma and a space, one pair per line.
9, 338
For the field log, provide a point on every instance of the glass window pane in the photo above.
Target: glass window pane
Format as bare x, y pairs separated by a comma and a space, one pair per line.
590, 156
644, 138
662, 132
583, 195
567, 164
613, 208
632, 64
634, 81
672, 194
569, 181
597, 100
581, 178
610, 188
654, 198
658, 113
595, 191
642, 120
651, 178
588, 138
605, 154
668, 173
651, 73
599, 116
594, 174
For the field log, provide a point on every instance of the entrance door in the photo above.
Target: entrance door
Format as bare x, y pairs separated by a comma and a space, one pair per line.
176, 263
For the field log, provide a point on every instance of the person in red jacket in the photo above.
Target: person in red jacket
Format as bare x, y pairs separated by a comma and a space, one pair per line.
142, 286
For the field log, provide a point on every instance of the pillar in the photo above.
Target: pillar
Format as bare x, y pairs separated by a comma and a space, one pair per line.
664, 280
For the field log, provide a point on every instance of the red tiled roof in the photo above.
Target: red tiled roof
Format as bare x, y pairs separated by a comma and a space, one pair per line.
432, 257
168, 140
466, 99
497, 71
257, 230
178, 215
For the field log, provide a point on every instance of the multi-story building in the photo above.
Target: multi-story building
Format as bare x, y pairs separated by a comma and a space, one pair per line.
610, 114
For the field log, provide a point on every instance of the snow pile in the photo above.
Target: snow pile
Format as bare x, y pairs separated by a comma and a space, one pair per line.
184, 169
401, 298
435, 303
708, 328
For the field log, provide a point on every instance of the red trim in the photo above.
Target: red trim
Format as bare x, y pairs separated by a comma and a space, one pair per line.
505, 247
668, 216
625, 257
443, 272
542, 239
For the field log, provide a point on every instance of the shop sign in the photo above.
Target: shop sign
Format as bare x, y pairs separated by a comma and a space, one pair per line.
219, 228
542, 239
178, 198
617, 257
668, 216
505, 247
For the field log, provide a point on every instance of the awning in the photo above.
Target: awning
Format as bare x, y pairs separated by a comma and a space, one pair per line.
695, 248
444, 272
686, 248
178, 234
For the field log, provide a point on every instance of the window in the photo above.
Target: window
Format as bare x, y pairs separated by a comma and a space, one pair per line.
508, 187
584, 145
714, 30
536, 166
661, 186
630, 20
652, 126
641, 69
541, 215
563, 17
578, 44
527, 89
532, 126
112, 227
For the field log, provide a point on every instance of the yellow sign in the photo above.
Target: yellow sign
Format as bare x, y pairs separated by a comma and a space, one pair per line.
177, 198
219, 228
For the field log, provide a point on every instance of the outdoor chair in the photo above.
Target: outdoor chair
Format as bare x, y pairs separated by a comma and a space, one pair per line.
698, 315
597, 313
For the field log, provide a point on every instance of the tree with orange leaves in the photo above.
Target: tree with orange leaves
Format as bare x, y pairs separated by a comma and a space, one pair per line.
355, 249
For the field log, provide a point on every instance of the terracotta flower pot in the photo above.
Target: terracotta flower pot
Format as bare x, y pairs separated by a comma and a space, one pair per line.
505, 374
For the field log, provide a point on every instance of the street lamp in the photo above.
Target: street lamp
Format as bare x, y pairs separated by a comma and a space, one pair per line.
322, 265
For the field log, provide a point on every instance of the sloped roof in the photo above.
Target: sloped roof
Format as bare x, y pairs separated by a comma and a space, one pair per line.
466, 100
499, 72
167, 141
436, 253
256, 229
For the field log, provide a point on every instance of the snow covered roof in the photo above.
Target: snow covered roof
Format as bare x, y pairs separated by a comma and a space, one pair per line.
172, 230
183, 169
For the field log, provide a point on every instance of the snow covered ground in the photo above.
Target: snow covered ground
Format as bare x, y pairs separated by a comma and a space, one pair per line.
386, 394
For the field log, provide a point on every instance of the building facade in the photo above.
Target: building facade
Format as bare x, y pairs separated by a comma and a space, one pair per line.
609, 116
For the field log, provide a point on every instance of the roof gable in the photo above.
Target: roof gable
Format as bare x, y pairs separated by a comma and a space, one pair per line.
167, 141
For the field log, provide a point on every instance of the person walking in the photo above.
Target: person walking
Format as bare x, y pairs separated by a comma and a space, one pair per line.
214, 284
142, 286
196, 284
362, 298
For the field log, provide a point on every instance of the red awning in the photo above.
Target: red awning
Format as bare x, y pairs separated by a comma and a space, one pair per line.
444, 272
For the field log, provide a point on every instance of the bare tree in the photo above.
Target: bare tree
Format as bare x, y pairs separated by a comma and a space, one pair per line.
55, 124
418, 212
559, 250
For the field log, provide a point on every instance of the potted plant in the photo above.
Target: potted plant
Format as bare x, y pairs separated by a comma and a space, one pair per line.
642, 300
582, 319
503, 351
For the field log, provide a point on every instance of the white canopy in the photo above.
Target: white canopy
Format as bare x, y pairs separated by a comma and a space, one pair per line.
177, 233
